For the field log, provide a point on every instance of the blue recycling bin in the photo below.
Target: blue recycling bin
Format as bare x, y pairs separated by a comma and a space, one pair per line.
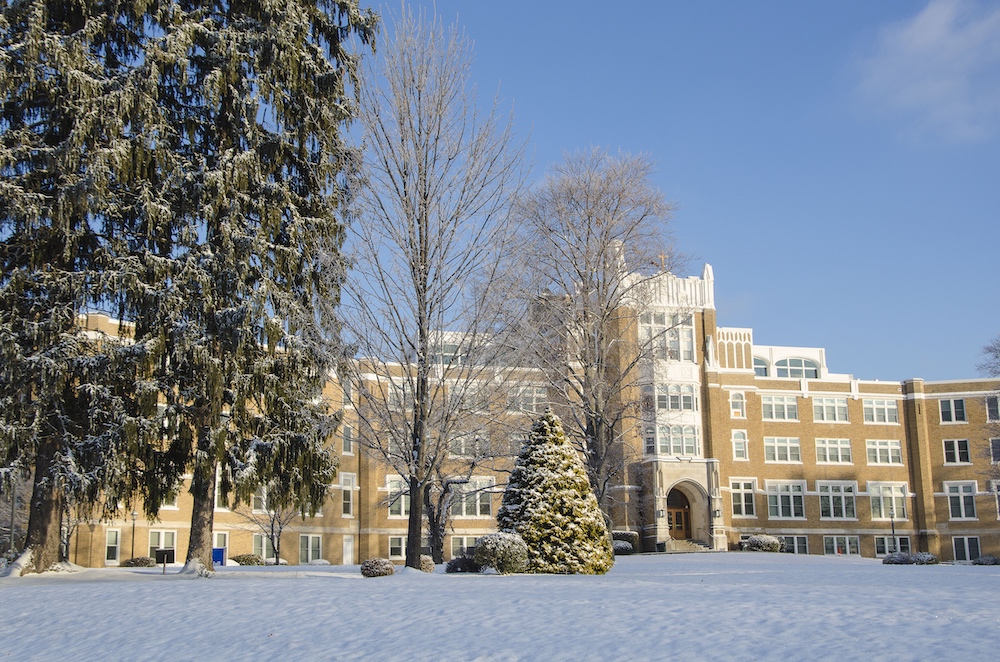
218, 556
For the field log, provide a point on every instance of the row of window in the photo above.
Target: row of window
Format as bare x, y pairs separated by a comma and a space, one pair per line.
965, 548
680, 440
827, 410
667, 337
788, 450
471, 499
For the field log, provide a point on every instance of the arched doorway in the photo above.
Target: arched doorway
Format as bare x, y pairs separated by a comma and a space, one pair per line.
678, 515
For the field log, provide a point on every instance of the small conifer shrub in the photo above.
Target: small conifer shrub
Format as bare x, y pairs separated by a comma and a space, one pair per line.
504, 552
463, 564
632, 537
623, 548
139, 562
247, 559
377, 568
986, 560
426, 563
763, 543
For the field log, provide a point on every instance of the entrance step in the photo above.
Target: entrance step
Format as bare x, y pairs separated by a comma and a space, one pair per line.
687, 546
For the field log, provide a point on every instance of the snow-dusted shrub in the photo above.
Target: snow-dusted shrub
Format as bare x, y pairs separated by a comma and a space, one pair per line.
763, 543
504, 552
623, 548
377, 568
247, 559
139, 562
631, 537
319, 562
426, 563
986, 560
897, 558
549, 503
463, 564
924, 558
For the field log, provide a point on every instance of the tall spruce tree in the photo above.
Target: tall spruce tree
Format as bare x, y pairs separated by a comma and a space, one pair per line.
549, 503
63, 79
234, 280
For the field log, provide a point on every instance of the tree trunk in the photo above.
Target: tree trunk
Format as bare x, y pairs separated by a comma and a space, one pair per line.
435, 529
43, 541
203, 510
414, 529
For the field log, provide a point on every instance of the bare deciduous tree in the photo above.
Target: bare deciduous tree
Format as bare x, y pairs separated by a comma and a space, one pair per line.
595, 232
990, 366
270, 520
432, 239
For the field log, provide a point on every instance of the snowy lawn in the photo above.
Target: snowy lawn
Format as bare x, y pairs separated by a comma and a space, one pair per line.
734, 606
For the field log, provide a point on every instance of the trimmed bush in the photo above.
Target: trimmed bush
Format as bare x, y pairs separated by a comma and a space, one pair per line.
924, 558
139, 562
504, 552
247, 559
902, 558
463, 564
631, 537
763, 543
426, 563
377, 568
623, 548
986, 560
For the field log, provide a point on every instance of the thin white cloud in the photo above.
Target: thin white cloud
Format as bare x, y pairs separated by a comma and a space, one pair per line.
939, 72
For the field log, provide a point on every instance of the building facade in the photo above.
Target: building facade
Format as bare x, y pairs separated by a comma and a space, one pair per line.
729, 439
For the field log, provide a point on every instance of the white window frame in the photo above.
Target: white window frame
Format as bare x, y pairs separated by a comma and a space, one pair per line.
779, 407
887, 452
117, 546
667, 336
263, 547
888, 500
962, 499
397, 485
313, 549
957, 450
803, 369
348, 486
224, 536
840, 499
839, 448
830, 410
476, 495
992, 409
400, 545
951, 410
737, 405
679, 440
783, 450
676, 397
744, 492
530, 399
884, 545
347, 440
964, 545
880, 411
258, 501
851, 545
741, 446
795, 491
460, 545
469, 445
795, 544
161, 536
761, 367
994, 450
995, 488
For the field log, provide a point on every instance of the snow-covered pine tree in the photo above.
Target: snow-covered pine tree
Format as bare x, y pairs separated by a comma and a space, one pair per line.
62, 69
550, 503
236, 264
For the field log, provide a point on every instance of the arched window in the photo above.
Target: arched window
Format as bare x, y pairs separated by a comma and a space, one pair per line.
796, 368
737, 405
740, 445
759, 366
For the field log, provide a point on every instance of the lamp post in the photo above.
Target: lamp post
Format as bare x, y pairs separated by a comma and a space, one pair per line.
135, 516
892, 523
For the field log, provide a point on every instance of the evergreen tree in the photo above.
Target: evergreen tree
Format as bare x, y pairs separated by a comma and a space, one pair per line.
549, 503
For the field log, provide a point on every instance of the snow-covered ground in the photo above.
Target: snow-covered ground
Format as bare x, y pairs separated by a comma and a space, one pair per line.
735, 606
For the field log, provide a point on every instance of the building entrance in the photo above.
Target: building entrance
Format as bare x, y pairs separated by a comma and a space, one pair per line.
678, 515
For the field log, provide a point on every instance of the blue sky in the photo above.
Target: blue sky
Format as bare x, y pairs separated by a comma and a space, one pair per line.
838, 163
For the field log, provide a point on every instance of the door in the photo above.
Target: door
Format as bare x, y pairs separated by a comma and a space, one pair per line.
678, 515
348, 550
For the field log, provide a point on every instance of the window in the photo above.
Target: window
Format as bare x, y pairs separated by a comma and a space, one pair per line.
161, 540
650, 439
310, 548
743, 503
737, 405
842, 545
953, 411
258, 502
830, 410
676, 398
956, 451
966, 548
531, 399
348, 440
667, 336
112, 547
836, 500
399, 497
170, 503
222, 541
759, 367
782, 449
992, 409
449, 354
780, 408
833, 451
888, 500
886, 545
881, 411
795, 544
785, 500
740, 445
995, 451
473, 499
263, 547
469, 445
347, 490
961, 500
884, 451
462, 545
345, 386
995, 488
797, 368
679, 440
400, 396
397, 547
